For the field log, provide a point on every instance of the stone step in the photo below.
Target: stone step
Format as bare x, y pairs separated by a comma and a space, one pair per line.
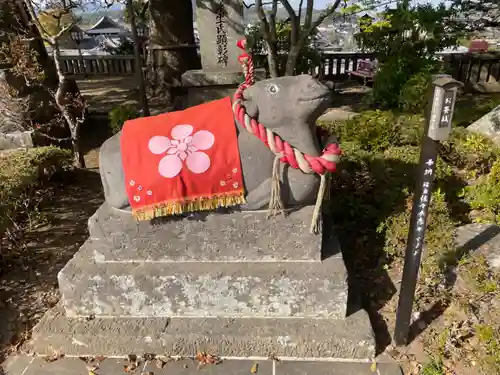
295, 338
202, 289
26, 365
228, 237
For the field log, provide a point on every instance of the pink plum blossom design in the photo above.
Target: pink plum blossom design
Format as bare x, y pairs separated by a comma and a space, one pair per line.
183, 146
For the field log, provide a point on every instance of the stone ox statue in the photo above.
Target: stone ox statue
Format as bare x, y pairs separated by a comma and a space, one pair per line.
275, 124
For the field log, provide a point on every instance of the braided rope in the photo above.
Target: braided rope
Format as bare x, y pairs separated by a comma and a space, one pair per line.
327, 162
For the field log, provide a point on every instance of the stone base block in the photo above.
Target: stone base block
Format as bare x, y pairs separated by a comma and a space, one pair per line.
37, 365
206, 85
207, 237
304, 338
16, 140
301, 289
488, 125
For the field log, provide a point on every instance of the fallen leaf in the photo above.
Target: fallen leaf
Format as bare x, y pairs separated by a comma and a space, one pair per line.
54, 357
149, 356
92, 373
373, 367
273, 357
130, 368
100, 358
148, 373
207, 359
84, 359
92, 368
255, 368
132, 365
160, 362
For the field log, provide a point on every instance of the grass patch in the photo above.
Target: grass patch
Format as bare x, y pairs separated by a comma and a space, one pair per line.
471, 107
22, 174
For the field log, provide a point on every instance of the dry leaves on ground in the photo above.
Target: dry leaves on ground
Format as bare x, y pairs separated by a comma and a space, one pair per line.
56, 355
132, 365
207, 359
273, 357
92, 363
161, 361
255, 368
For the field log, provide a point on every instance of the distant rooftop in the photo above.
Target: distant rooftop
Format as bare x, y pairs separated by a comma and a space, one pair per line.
106, 26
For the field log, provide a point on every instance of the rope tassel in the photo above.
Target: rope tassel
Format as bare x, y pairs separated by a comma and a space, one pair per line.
323, 194
275, 203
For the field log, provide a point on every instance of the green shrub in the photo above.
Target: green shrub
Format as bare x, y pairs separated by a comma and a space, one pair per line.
434, 367
484, 196
118, 116
470, 108
20, 174
412, 128
387, 87
414, 94
470, 151
372, 130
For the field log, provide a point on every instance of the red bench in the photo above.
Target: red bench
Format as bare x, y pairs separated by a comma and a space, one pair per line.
478, 46
366, 69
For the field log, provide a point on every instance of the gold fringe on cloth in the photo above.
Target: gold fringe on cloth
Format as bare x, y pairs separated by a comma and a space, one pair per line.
323, 195
190, 205
275, 203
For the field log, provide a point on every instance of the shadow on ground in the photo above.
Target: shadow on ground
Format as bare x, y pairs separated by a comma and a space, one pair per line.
28, 281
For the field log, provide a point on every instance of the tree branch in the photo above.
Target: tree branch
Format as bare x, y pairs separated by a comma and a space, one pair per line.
251, 5
324, 15
301, 4
272, 21
294, 21
65, 29
263, 19
268, 37
309, 12
34, 18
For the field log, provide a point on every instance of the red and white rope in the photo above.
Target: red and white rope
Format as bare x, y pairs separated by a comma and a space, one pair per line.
327, 162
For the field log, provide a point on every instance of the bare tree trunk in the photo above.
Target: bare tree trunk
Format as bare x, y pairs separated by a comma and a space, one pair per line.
291, 62
63, 103
269, 32
172, 40
143, 100
20, 104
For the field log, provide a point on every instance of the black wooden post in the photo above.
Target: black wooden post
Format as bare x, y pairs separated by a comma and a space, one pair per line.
437, 129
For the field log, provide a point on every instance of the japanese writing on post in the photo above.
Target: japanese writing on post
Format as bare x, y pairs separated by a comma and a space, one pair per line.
221, 39
445, 117
423, 204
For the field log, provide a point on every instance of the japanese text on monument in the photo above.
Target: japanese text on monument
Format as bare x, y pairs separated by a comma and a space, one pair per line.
221, 40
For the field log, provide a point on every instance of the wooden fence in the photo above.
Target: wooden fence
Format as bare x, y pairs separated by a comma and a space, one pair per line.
466, 67
98, 65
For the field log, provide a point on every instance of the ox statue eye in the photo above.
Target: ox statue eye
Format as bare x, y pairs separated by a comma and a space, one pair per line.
273, 89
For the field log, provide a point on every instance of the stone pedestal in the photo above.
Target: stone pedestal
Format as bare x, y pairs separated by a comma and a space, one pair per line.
233, 283
228, 265
203, 86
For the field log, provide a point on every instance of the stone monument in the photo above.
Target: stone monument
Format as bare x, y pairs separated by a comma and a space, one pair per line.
220, 25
